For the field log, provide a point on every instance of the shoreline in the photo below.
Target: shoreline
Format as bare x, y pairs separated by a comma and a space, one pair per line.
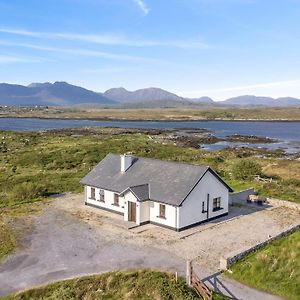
152, 120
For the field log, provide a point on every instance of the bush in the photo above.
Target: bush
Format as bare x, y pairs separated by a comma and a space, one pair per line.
28, 191
246, 169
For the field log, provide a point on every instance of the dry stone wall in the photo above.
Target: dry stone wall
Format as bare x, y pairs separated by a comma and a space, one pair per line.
226, 262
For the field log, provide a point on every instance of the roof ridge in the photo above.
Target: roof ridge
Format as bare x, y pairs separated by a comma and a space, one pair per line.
166, 161
138, 185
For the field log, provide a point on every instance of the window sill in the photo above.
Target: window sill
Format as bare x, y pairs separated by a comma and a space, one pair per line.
217, 209
161, 217
92, 199
117, 205
102, 201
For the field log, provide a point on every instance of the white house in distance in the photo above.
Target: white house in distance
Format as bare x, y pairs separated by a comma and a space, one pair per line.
170, 194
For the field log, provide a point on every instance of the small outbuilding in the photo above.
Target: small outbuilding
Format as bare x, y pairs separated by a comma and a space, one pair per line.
170, 194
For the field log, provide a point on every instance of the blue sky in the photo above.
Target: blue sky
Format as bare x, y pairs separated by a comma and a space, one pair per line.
218, 48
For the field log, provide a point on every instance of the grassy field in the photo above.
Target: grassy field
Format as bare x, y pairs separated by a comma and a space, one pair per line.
139, 285
119, 285
180, 113
36, 165
275, 268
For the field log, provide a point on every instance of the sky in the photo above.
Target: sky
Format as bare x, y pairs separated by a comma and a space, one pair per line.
194, 48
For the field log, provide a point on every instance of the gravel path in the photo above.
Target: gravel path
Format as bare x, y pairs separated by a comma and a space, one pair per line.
70, 240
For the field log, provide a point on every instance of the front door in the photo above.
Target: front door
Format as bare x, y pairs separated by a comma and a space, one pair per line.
131, 211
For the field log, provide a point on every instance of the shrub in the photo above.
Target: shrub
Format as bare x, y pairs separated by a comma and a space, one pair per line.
28, 191
246, 169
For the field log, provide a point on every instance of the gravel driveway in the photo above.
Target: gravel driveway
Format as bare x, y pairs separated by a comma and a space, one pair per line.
69, 239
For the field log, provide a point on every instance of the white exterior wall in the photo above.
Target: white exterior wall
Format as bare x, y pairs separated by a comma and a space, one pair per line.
170, 219
130, 197
108, 198
191, 210
145, 211
176, 217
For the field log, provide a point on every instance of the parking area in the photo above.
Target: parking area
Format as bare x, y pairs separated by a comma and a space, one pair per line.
70, 239
244, 227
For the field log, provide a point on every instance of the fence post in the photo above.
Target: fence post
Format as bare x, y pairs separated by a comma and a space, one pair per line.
189, 272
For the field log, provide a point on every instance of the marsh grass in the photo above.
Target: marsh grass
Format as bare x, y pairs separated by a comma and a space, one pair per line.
180, 113
275, 268
133, 285
36, 165
7, 239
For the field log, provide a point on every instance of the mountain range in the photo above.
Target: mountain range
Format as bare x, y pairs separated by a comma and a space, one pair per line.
63, 93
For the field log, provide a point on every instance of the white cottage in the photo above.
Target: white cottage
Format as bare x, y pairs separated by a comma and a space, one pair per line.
170, 194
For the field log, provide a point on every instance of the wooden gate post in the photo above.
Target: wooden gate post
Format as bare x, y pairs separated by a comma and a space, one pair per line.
189, 273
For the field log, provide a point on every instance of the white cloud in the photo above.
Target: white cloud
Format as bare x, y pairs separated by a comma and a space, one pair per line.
109, 39
252, 87
80, 52
143, 6
106, 70
8, 59
272, 89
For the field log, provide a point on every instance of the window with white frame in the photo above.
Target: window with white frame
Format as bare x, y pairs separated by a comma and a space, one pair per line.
216, 203
93, 193
101, 194
116, 199
162, 211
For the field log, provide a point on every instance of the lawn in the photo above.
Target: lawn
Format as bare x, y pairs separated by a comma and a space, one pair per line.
139, 285
274, 269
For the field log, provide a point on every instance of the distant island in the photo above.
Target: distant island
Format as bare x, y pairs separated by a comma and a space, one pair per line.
65, 94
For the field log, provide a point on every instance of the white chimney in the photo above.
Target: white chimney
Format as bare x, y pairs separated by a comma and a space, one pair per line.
126, 161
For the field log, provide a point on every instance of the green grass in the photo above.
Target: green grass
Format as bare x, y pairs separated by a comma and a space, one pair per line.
7, 239
140, 285
179, 113
14, 221
36, 165
131, 285
274, 269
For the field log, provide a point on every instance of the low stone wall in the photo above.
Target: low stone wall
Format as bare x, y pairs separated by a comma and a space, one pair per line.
240, 197
226, 262
277, 202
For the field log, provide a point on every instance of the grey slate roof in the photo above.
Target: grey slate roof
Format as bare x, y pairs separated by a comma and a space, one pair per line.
168, 182
140, 191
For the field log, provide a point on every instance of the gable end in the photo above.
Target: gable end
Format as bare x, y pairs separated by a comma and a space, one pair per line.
215, 175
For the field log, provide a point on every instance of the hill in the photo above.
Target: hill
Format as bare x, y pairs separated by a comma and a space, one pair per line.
58, 93
250, 100
63, 93
142, 95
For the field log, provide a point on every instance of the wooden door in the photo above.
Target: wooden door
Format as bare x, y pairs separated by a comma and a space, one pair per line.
132, 211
